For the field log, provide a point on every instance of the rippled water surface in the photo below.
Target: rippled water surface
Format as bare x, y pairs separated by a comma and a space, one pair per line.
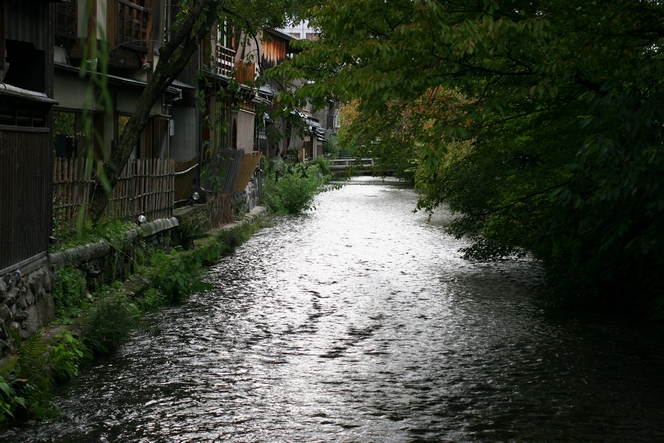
361, 322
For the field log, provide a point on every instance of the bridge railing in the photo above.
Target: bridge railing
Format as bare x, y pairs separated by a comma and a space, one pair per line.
345, 163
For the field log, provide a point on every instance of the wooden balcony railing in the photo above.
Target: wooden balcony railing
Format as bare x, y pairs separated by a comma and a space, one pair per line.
224, 61
133, 25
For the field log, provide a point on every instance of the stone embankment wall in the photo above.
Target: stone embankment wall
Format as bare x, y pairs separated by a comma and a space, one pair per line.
247, 199
26, 296
26, 303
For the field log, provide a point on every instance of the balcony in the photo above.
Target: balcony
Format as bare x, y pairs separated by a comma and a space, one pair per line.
133, 25
224, 61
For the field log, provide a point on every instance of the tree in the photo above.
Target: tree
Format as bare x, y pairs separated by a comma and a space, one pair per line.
193, 25
554, 144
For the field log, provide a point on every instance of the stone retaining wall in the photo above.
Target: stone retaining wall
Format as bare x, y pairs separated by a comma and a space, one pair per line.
246, 200
26, 304
26, 295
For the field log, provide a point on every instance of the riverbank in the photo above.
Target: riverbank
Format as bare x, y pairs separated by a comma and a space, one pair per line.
159, 263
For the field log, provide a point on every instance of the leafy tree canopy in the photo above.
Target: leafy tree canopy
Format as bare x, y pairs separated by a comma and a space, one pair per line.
539, 122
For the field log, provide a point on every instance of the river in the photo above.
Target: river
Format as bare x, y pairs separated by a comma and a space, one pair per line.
361, 322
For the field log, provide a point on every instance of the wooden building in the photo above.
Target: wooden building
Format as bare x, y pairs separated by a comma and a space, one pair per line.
26, 100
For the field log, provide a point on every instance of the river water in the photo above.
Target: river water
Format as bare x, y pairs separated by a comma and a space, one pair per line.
360, 322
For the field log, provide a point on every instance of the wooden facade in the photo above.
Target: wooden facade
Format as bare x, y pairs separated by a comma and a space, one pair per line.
26, 63
25, 203
128, 26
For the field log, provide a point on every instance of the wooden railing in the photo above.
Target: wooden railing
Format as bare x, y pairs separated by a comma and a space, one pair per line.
346, 163
224, 61
145, 187
133, 25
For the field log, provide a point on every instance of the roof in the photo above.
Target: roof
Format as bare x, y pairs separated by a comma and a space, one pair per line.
278, 33
182, 85
13, 91
124, 81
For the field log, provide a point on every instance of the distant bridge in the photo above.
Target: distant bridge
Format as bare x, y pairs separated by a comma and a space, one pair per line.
344, 165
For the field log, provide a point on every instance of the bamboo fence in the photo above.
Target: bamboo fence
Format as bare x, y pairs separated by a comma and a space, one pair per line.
146, 186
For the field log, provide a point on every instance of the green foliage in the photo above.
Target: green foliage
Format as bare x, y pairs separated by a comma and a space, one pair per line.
178, 275
291, 188
109, 325
335, 147
31, 377
541, 126
191, 228
323, 165
68, 292
151, 299
67, 356
27, 390
114, 231
8, 401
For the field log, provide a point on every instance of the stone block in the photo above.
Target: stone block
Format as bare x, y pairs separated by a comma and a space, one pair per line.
12, 294
21, 302
30, 299
5, 313
20, 315
36, 281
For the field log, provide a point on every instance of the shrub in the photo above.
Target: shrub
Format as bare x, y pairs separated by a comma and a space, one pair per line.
67, 355
8, 400
323, 165
192, 228
32, 378
152, 298
177, 275
292, 191
109, 325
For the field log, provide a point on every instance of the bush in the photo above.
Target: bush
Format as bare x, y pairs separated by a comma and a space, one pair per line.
178, 275
323, 165
191, 228
67, 355
109, 325
290, 189
152, 298
32, 380
8, 399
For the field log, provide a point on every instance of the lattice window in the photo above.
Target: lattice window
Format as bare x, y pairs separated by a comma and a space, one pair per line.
66, 16
133, 22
